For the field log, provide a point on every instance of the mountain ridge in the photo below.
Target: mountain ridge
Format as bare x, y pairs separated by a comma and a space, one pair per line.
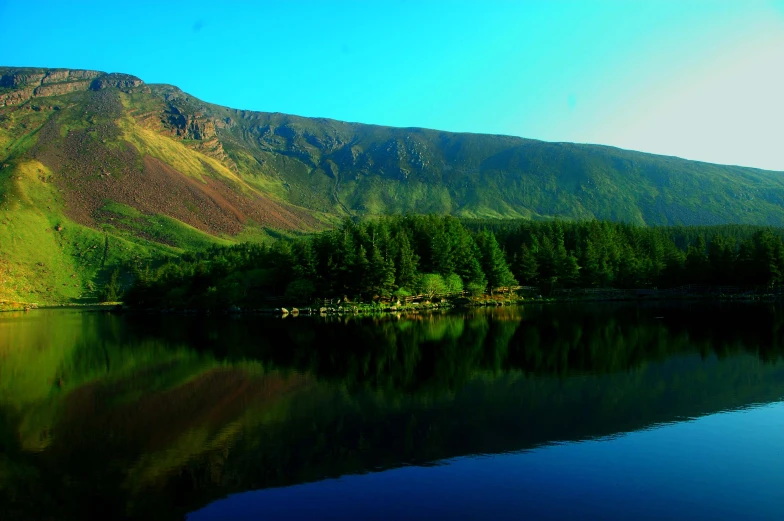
57, 76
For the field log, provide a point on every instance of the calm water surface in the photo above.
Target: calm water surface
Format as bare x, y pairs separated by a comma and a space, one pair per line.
535, 412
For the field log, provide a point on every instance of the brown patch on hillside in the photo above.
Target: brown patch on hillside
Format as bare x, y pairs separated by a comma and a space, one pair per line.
92, 171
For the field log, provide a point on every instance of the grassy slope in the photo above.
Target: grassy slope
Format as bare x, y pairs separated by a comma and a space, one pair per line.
40, 265
381, 169
37, 260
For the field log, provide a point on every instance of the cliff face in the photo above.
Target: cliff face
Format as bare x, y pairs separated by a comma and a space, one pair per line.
116, 80
24, 83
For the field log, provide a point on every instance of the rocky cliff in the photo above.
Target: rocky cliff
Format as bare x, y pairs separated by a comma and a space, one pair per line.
18, 85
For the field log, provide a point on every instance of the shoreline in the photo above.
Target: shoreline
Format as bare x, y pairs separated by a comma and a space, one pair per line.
97, 306
360, 308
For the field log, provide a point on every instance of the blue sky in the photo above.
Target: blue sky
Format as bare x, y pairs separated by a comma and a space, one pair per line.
697, 79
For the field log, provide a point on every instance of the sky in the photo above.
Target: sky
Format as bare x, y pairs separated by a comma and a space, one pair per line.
696, 79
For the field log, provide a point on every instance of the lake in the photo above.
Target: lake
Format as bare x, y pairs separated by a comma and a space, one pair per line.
590, 411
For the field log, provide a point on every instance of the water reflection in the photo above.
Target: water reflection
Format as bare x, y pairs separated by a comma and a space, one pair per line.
725, 466
155, 416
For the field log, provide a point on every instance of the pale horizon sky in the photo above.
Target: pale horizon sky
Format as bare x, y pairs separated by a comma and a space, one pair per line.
699, 79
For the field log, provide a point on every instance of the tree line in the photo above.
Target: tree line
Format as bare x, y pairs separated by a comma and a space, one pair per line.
398, 256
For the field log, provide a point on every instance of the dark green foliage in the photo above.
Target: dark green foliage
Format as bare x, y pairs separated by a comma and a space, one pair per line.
761, 259
112, 291
406, 261
494, 262
432, 256
526, 266
382, 273
697, 266
722, 259
300, 290
468, 260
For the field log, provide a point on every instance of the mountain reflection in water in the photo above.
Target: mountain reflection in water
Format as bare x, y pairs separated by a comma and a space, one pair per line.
153, 417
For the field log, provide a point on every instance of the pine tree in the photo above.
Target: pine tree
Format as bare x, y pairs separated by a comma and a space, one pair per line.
527, 267
441, 252
112, 290
468, 263
721, 258
628, 269
673, 273
763, 259
494, 262
363, 281
305, 260
598, 269
406, 262
381, 274
655, 263
567, 267
697, 265
346, 257
546, 260
281, 259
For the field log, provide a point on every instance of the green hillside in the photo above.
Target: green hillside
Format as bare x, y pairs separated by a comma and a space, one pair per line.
98, 168
366, 169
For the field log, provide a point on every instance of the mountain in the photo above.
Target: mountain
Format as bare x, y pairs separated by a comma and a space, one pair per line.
96, 168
